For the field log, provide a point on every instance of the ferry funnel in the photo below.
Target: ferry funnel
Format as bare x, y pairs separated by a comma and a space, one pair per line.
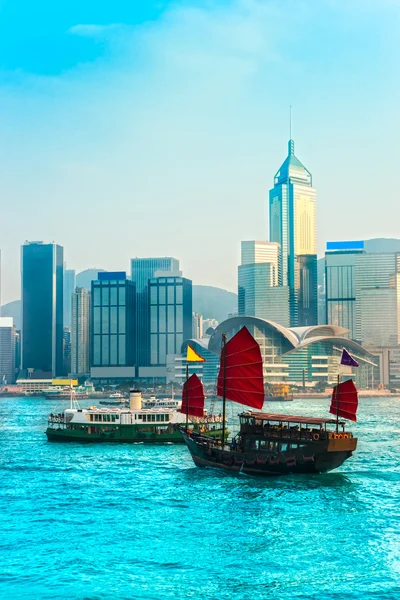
135, 400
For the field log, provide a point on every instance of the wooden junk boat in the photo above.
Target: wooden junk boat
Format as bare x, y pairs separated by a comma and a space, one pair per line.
270, 444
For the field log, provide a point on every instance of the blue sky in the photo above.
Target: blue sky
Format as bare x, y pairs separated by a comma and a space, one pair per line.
155, 128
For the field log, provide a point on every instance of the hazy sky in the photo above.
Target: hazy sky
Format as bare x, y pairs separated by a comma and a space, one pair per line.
155, 128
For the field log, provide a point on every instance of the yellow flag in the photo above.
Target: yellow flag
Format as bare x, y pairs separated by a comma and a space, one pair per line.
192, 356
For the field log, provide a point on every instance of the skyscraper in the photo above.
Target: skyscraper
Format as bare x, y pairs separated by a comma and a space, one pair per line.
80, 332
377, 307
259, 292
113, 327
142, 270
170, 316
42, 307
363, 293
7, 350
69, 288
340, 292
292, 223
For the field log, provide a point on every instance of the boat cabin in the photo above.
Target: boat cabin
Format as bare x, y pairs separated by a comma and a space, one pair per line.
289, 427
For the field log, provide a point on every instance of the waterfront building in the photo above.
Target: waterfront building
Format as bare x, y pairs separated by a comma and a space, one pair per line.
296, 355
42, 307
197, 326
259, 292
292, 224
80, 332
69, 288
7, 350
142, 270
170, 321
340, 292
36, 386
112, 327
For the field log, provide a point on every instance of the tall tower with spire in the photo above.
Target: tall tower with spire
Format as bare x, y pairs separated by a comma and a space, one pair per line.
292, 223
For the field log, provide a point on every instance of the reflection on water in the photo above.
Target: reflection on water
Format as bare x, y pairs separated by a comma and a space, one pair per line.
134, 521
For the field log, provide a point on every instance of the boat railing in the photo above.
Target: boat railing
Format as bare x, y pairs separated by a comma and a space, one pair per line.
295, 432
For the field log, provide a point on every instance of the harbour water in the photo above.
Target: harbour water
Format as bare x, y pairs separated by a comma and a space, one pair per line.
133, 521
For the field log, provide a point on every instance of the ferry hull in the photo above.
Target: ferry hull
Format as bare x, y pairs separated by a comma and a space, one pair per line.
314, 458
122, 435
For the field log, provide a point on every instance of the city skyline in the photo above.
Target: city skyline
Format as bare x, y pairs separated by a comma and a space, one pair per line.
110, 133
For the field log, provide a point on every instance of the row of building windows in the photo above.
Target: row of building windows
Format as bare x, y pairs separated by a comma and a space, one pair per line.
166, 294
109, 295
165, 319
109, 350
109, 319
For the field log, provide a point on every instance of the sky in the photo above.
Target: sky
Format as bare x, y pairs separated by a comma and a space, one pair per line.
155, 128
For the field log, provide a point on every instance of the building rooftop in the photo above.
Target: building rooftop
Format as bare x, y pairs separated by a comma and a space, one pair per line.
293, 170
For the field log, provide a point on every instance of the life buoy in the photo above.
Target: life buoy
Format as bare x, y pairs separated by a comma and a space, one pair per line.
335, 436
346, 437
340, 436
315, 437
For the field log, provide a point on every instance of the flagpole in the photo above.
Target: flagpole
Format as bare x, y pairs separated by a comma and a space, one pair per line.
337, 401
187, 395
224, 390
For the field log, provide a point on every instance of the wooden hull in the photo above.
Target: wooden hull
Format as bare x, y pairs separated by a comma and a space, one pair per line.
312, 458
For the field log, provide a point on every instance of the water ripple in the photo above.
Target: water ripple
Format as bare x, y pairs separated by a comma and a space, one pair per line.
133, 521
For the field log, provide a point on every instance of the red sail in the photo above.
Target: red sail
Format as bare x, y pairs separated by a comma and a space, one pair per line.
244, 371
346, 393
193, 393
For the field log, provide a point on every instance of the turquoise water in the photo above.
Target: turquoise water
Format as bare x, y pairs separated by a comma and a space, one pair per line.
136, 522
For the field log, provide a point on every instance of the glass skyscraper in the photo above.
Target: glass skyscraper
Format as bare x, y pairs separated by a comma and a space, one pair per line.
113, 321
292, 223
69, 288
42, 307
363, 293
377, 289
170, 316
340, 292
142, 270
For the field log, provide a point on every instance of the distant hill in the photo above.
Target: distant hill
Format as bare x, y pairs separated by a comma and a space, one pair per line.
84, 278
213, 302
13, 309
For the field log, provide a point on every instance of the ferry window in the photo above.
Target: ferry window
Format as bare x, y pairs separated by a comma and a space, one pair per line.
113, 418
168, 417
256, 444
284, 447
144, 418
91, 417
158, 418
96, 417
263, 444
153, 417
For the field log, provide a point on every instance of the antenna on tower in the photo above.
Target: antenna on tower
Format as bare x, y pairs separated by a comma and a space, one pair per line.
290, 122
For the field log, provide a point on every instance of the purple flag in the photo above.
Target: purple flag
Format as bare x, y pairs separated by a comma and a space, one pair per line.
348, 360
